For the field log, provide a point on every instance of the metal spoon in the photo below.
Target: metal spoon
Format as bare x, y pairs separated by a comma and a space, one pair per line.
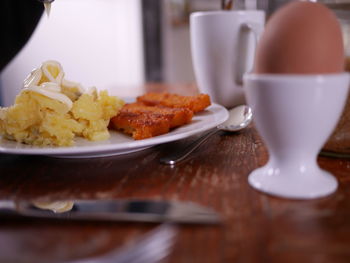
47, 5
46, 1
239, 118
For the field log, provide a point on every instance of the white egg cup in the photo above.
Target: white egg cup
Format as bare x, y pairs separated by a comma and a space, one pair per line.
295, 114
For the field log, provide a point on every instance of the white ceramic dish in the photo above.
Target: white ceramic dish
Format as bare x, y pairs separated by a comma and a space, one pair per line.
295, 114
120, 143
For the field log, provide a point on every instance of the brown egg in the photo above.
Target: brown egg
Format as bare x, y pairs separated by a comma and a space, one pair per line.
301, 38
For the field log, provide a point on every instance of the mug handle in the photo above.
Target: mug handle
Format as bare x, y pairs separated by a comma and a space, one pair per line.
242, 50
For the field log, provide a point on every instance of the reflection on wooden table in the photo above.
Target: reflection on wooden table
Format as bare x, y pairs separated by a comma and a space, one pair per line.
257, 227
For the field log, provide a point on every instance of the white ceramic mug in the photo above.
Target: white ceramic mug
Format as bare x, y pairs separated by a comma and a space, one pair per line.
223, 46
295, 114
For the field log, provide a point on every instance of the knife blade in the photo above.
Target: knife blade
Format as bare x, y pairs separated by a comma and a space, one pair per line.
117, 210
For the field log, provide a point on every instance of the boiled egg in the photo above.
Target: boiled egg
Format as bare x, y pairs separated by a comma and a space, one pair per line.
301, 38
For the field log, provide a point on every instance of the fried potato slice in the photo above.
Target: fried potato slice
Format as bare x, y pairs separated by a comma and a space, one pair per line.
142, 121
194, 103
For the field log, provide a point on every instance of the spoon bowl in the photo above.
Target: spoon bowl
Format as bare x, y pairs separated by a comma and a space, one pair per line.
239, 118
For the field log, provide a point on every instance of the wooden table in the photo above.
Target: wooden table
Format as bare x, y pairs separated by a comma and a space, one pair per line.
257, 227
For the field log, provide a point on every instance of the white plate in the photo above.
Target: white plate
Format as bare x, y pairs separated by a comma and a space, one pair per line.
120, 143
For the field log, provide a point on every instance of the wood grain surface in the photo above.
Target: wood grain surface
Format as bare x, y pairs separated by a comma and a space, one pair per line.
256, 228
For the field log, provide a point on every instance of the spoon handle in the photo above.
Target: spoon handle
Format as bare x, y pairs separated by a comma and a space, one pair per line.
180, 155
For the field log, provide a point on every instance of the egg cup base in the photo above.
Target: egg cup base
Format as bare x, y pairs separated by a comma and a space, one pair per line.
293, 183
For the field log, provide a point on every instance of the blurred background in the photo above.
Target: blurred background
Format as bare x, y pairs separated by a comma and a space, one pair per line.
116, 45
112, 44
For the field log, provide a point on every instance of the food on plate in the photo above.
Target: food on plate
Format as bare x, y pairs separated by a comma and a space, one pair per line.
51, 111
157, 113
176, 116
194, 103
142, 121
56, 207
301, 38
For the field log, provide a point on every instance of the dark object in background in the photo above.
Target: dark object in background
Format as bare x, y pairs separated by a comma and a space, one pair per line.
152, 40
18, 20
226, 5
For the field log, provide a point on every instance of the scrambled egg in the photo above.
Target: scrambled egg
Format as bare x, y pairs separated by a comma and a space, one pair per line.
51, 111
